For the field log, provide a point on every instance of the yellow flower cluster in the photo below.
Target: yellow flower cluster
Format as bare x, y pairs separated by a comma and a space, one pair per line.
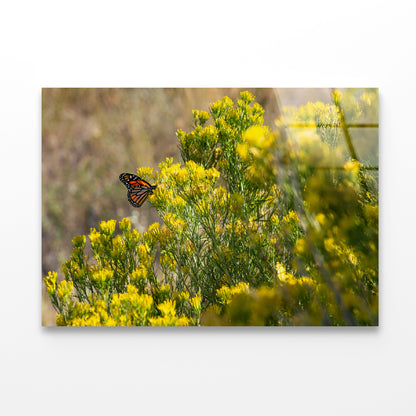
196, 303
102, 276
168, 318
131, 308
108, 227
79, 241
125, 225
145, 172
288, 278
139, 274
257, 148
168, 262
89, 315
222, 106
226, 293
174, 223
50, 281
200, 117
64, 290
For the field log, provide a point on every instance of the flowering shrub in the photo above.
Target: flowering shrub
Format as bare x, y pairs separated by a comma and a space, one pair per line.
260, 227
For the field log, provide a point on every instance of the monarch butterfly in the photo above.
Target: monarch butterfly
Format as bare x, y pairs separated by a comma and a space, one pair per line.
137, 188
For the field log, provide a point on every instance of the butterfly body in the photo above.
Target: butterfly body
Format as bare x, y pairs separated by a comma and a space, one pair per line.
138, 190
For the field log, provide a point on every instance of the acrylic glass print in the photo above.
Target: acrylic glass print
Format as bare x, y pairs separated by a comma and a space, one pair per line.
200, 207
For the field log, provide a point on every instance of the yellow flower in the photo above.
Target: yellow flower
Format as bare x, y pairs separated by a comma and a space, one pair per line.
217, 153
291, 217
182, 321
154, 228
64, 290
352, 165
242, 150
258, 137
178, 202
125, 224
301, 246
94, 237
174, 223
108, 227
118, 246
241, 287
203, 117
337, 97
306, 280
221, 106
167, 308
102, 276
220, 196
226, 293
166, 236
330, 245
79, 241
283, 275
50, 281
145, 172
142, 251
167, 261
152, 235
169, 321
247, 97
164, 290
181, 297
352, 258
60, 320
196, 303
321, 218
139, 274
274, 220
131, 308
182, 177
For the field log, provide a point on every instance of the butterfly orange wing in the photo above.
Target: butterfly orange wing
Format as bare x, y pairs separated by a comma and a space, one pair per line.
138, 189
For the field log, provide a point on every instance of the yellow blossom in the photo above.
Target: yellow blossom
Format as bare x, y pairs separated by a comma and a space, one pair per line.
168, 261
64, 290
174, 223
125, 224
50, 281
143, 251
79, 241
182, 296
167, 308
258, 137
301, 246
108, 227
226, 293
145, 172
154, 228
242, 150
139, 274
352, 165
94, 237
196, 302
102, 276
321, 218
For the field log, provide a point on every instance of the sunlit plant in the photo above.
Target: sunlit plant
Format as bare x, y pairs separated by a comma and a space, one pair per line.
259, 227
